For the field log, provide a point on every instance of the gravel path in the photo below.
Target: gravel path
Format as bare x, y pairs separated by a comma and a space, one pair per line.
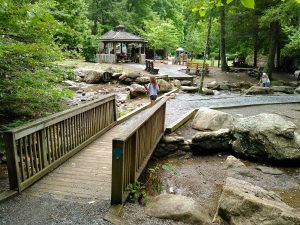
185, 102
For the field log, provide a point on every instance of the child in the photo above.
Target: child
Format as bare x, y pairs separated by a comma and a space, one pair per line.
152, 89
264, 80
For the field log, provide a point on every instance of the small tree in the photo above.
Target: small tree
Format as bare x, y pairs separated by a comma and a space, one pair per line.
202, 8
162, 34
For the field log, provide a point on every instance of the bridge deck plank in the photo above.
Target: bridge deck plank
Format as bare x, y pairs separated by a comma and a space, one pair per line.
87, 175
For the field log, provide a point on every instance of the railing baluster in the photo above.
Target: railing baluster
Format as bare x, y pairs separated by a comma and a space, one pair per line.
21, 159
40, 152
45, 148
34, 142
26, 157
31, 155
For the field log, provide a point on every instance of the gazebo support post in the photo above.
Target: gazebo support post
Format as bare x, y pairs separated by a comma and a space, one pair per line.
114, 44
140, 54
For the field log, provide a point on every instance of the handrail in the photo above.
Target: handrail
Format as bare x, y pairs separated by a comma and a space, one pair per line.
36, 148
134, 147
60, 116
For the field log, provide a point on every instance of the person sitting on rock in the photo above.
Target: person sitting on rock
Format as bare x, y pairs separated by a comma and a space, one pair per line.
264, 81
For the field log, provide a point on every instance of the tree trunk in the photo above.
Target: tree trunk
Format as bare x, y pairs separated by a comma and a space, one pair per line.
224, 65
278, 55
203, 72
255, 50
274, 31
95, 27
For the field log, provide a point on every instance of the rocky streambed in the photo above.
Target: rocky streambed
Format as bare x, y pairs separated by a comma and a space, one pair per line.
228, 189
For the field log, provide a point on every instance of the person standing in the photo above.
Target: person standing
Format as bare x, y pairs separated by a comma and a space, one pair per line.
152, 89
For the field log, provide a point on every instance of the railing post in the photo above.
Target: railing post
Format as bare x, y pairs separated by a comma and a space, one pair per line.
133, 151
12, 160
117, 178
44, 148
115, 109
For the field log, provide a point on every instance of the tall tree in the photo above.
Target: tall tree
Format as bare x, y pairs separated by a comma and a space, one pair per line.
73, 15
162, 34
277, 15
224, 65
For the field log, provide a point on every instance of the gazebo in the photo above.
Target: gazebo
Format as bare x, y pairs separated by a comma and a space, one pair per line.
120, 46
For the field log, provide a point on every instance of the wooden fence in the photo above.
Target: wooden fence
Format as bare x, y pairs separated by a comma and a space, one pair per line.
133, 149
33, 150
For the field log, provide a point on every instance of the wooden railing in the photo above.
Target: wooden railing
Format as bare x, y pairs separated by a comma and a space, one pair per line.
133, 149
33, 150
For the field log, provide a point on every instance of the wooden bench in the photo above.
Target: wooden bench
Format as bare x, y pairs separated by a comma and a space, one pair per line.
150, 67
197, 67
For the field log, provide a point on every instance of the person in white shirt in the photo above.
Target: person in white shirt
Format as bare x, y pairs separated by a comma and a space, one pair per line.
264, 80
152, 89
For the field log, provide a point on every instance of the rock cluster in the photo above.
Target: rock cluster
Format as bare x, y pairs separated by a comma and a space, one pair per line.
262, 137
172, 146
241, 202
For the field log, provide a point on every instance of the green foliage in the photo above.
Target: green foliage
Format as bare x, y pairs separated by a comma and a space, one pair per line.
292, 47
28, 80
195, 38
90, 47
137, 193
162, 34
203, 6
154, 179
171, 169
73, 15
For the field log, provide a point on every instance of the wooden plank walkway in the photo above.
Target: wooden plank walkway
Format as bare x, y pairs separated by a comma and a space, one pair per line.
87, 175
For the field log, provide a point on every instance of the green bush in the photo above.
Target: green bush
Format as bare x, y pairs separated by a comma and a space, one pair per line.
89, 49
137, 193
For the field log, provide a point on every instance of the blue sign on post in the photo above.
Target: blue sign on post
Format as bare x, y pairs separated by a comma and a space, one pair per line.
117, 152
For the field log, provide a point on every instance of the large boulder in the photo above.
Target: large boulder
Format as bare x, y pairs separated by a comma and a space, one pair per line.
210, 119
211, 142
164, 86
191, 89
213, 85
257, 90
89, 76
129, 77
186, 83
243, 203
297, 90
283, 89
206, 91
143, 80
266, 136
244, 85
171, 145
177, 83
178, 207
137, 90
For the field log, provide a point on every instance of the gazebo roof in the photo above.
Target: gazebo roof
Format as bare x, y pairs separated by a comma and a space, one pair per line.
120, 35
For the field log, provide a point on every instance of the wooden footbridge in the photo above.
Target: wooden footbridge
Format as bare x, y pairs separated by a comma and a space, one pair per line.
111, 153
